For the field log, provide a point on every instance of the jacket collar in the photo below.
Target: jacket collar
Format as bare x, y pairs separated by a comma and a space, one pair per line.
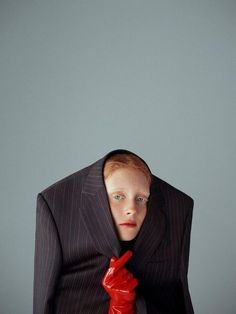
153, 228
98, 220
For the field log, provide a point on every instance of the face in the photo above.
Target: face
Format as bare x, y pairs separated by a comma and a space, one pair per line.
128, 191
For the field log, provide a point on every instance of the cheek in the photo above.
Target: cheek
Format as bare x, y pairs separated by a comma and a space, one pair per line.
115, 211
142, 214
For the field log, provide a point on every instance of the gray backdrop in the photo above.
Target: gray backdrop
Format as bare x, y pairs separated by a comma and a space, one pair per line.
79, 78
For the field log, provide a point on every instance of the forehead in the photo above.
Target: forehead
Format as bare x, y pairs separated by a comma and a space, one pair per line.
127, 178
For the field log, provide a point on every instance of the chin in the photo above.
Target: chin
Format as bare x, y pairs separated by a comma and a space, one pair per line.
127, 237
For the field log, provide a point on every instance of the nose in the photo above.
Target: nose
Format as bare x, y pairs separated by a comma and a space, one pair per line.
130, 208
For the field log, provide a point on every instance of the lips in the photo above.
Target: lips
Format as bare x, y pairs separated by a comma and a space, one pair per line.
131, 224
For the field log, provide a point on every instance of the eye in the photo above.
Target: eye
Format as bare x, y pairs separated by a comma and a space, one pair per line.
141, 199
118, 197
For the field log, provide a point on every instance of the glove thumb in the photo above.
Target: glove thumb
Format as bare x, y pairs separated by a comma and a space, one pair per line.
113, 260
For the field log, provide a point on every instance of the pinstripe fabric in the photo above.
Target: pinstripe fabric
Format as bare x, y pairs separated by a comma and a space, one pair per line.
75, 239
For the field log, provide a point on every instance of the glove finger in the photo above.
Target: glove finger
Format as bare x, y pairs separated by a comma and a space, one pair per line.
122, 260
122, 272
130, 285
119, 278
127, 282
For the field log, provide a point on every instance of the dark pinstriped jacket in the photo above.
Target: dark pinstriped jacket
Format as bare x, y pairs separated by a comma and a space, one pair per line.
75, 239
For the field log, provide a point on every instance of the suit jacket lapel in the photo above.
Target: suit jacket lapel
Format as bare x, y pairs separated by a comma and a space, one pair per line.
96, 212
153, 228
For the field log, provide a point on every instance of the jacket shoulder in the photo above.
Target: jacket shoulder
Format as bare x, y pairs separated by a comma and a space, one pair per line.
171, 192
66, 181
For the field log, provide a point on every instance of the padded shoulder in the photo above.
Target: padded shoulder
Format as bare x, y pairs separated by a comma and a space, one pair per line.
169, 190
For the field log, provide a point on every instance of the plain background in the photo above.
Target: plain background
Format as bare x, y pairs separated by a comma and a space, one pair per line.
80, 78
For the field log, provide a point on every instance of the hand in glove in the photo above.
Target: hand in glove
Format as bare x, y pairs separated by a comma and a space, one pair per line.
120, 284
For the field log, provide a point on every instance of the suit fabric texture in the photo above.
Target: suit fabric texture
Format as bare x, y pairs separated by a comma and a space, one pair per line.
75, 239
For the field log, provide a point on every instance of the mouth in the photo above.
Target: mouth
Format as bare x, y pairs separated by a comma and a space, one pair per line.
129, 224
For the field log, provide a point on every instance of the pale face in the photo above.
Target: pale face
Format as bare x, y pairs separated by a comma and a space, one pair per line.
128, 191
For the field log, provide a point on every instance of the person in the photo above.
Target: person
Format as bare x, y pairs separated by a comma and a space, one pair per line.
112, 238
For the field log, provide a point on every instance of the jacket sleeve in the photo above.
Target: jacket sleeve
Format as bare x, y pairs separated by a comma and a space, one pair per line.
47, 259
185, 260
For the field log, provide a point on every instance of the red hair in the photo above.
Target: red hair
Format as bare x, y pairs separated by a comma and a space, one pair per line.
126, 161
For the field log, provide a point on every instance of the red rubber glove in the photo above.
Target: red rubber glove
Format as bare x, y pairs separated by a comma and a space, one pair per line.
120, 284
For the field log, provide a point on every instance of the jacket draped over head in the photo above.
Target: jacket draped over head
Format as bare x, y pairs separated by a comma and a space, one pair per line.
75, 239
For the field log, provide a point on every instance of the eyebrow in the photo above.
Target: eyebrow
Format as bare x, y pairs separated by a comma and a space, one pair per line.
144, 194
123, 191
117, 191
